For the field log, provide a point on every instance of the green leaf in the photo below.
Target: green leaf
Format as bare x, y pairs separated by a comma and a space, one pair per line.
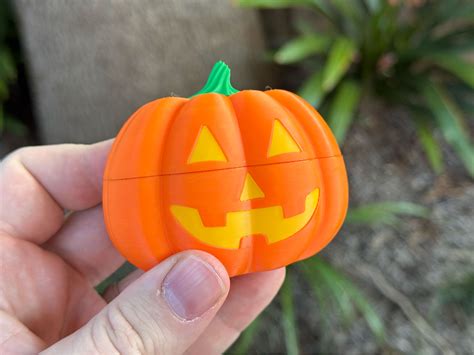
430, 145
450, 121
342, 110
320, 290
450, 11
328, 281
5, 19
457, 37
275, 4
338, 62
459, 293
301, 48
370, 315
2, 120
438, 13
289, 323
319, 5
118, 275
385, 213
455, 65
311, 90
332, 283
456, 43
14, 126
462, 93
246, 338
350, 10
7, 66
373, 5
3, 90
304, 26
323, 7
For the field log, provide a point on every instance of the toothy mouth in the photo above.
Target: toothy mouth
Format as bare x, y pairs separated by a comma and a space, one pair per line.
267, 221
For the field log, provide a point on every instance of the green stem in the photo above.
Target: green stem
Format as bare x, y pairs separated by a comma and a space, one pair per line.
218, 81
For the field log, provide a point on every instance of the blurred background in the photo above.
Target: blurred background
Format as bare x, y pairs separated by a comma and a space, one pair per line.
394, 80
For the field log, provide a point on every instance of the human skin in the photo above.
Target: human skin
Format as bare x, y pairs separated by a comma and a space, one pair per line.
51, 260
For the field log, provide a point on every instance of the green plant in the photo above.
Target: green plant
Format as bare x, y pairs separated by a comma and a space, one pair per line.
338, 298
387, 213
416, 54
290, 329
8, 70
459, 293
123, 271
335, 292
246, 338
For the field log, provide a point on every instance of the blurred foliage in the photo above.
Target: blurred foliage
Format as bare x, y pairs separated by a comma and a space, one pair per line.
246, 338
387, 213
414, 53
8, 69
290, 329
338, 298
119, 274
459, 293
338, 294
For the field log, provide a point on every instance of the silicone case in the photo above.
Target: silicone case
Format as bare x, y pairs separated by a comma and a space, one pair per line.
253, 177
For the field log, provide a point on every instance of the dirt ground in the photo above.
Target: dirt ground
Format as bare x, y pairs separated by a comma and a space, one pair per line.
402, 268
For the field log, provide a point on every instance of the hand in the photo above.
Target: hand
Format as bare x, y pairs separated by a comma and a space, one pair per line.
51, 260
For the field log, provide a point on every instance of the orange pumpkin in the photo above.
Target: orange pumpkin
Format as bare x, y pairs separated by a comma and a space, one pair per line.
254, 178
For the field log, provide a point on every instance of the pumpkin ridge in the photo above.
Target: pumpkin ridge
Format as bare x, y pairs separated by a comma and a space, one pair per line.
167, 130
124, 149
161, 201
122, 133
290, 113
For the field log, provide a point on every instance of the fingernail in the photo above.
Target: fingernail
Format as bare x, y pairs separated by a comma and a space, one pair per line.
192, 287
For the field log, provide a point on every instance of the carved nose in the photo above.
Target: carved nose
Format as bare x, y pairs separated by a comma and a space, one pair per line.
251, 189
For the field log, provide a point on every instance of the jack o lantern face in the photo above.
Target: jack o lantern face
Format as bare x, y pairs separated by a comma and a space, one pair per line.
241, 153
254, 178
269, 222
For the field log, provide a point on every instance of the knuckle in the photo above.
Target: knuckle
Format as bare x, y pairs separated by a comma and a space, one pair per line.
122, 331
118, 332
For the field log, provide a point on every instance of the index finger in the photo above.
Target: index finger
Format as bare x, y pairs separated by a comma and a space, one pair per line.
37, 185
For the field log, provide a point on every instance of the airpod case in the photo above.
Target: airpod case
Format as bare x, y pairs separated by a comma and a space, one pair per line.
253, 177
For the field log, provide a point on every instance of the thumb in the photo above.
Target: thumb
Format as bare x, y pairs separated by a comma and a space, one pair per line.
162, 312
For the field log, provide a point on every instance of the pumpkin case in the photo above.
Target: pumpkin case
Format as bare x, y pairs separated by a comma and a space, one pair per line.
255, 178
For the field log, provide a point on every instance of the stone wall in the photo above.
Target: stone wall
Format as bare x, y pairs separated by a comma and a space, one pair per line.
93, 62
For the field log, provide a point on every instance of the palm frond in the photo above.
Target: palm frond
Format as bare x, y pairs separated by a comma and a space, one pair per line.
288, 313
450, 121
429, 144
302, 47
387, 213
329, 283
342, 110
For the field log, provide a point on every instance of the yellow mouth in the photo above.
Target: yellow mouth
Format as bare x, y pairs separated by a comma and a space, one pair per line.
267, 221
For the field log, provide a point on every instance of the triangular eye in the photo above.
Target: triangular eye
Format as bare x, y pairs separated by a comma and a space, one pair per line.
281, 141
206, 148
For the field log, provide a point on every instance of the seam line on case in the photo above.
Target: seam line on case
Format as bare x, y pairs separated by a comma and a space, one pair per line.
221, 169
